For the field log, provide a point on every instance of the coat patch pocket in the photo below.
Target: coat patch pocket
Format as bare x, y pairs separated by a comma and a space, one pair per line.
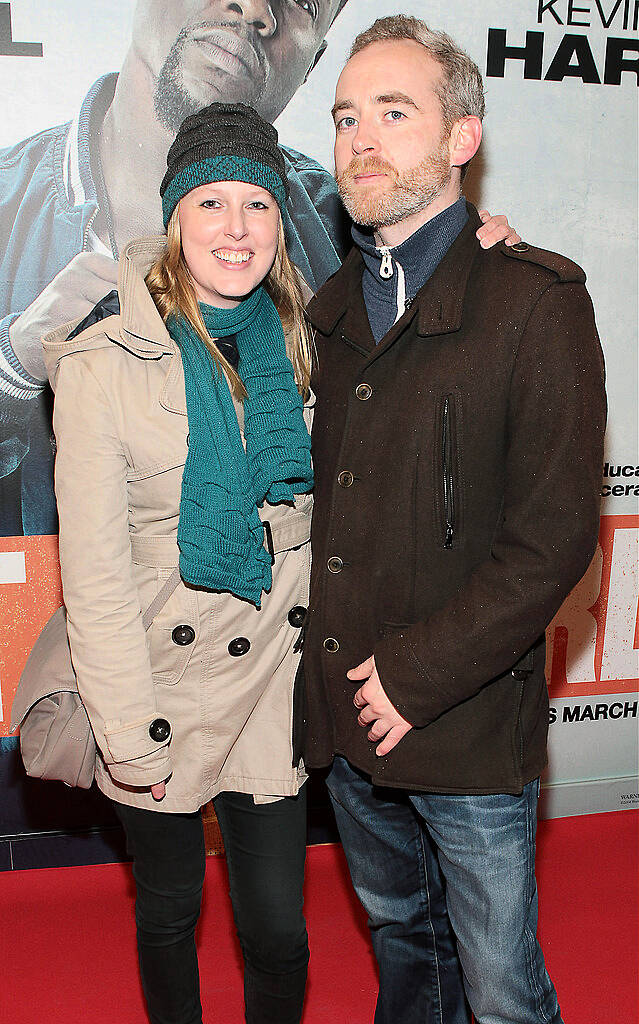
174, 632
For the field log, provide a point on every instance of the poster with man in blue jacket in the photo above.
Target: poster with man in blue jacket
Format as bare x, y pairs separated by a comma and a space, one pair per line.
71, 196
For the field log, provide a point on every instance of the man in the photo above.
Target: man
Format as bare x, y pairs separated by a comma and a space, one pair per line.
90, 186
457, 446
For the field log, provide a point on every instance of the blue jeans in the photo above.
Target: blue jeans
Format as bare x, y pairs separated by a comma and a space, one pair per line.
396, 844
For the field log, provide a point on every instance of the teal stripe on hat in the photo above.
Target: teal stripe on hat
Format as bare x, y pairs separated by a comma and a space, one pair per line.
221, 168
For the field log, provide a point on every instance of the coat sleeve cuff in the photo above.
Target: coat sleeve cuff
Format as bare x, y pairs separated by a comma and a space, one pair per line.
136, 741
406, 683
146, 771
14, 371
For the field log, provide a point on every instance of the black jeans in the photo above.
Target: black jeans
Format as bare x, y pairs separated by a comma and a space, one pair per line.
265, 851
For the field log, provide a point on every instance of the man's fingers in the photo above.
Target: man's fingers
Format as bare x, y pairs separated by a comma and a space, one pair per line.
500, 233
496, 229
366, 715
362, 671
378, 730
359, 700
158, 791
392, 738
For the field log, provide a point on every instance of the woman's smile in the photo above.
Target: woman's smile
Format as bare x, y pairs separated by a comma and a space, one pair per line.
233, 257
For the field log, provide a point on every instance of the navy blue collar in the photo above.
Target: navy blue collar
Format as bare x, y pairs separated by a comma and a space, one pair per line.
432, 239
405, 268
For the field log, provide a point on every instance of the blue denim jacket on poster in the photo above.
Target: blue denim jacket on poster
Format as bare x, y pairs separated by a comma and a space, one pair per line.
41, 231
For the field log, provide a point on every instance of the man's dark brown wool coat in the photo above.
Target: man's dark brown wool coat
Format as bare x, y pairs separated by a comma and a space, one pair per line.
458, 469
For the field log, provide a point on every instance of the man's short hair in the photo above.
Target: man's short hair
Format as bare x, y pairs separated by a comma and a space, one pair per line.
461, 91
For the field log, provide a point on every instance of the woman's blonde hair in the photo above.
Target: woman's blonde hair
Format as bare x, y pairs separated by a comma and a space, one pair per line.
171, 286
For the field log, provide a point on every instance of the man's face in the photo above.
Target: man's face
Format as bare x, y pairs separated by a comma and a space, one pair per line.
391, 146
236, 51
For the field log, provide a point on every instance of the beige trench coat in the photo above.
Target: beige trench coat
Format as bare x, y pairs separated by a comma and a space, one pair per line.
121, 431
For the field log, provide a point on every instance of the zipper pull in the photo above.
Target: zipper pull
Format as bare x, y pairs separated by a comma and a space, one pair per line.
386, 266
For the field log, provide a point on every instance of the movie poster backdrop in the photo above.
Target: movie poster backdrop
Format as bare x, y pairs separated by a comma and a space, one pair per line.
559, 157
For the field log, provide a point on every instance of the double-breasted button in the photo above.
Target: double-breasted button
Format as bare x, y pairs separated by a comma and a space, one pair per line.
159, 730
331, 645
297, 615
335, 564
239, 646
183, 635
345, 478
363, 392
520, 247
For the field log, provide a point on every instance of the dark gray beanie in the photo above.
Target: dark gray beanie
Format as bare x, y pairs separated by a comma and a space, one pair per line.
223, 142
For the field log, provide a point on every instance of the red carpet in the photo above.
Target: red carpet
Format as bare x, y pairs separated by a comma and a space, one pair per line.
68, 948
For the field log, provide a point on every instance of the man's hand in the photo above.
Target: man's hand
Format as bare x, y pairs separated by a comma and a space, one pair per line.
72, 293
158, 791
374, 706
495, 229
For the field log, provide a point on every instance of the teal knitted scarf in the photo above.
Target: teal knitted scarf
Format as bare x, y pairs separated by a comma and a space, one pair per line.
220, 534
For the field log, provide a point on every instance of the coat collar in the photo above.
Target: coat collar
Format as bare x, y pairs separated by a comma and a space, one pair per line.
142, 330
138, 327
438, 306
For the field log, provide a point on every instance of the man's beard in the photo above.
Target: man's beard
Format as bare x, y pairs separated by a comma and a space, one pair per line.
409, 191
173, 102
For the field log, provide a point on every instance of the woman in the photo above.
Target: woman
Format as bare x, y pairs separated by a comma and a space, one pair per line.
175, 449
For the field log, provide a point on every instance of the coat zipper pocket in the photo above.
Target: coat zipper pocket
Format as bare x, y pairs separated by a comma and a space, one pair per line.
447, 473
520, 673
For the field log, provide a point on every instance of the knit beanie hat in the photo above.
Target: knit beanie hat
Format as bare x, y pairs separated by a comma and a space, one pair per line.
223, 142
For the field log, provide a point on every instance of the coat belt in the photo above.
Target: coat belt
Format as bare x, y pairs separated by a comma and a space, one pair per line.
288, 532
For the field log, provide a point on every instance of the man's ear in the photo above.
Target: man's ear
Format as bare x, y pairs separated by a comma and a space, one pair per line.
317, 56
464, 141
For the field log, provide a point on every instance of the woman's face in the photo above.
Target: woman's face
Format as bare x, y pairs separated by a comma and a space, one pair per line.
229, 235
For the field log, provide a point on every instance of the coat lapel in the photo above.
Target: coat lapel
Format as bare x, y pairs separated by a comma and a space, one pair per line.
441, 300
438, 307
173, 393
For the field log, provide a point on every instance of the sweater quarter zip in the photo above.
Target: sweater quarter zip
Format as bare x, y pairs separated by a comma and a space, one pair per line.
386, 272
386, 265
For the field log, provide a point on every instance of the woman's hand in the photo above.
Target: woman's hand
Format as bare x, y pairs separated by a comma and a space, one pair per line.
495, 229
158, 791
